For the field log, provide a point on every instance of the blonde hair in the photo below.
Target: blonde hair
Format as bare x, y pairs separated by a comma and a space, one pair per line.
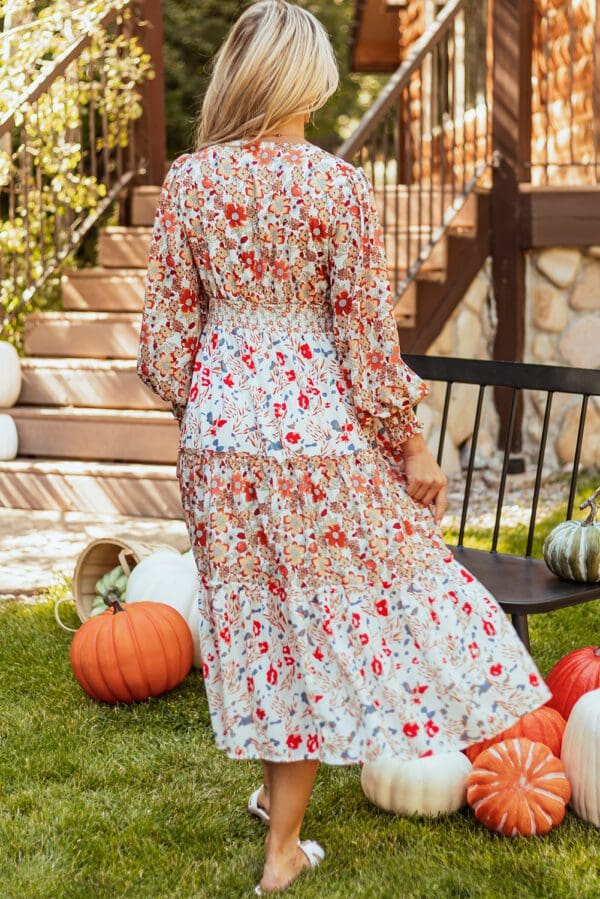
276, 62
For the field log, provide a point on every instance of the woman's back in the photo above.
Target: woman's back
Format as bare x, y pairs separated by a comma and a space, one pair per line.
273, 258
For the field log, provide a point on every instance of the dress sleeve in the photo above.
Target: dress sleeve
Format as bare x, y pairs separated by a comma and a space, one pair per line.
175, 307
365, 330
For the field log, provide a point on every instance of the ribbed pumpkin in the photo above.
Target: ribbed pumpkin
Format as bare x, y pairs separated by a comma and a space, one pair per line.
575, 674
130, 653
543, 725
431, 785
581, 756
572, 549
518, 788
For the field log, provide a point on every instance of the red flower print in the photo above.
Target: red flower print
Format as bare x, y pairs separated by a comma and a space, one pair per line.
236, 215
410, 729
187, 300
376, 359
281, 270
257, 268
534, 680
193, 393
474, 650
318, 655
263, 647
318, 229
468, 577
225, 635
305, 351
343, 303
248, 258
312, 742
204, 670
423, 755
302, 400
260, 713
256, 628
293, 741
364, 639
355, 619
376, 667
280, 409
431, 729
292, 437
272, 676
290, 375
280, 357
250, 684
327, 627
247, 358
467, 609
382, 607
335, 536
495, 670
228, 380
489, 628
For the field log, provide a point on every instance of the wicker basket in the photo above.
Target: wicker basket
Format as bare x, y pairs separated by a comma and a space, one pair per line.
99, 557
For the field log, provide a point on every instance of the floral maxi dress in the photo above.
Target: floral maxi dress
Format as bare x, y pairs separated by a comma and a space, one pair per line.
334, 622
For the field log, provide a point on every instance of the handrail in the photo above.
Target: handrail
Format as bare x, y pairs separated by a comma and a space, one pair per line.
70, 149
392, 90
60, 65
425, 139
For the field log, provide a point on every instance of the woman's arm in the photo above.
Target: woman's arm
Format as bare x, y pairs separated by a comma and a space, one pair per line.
174, 304
366, 336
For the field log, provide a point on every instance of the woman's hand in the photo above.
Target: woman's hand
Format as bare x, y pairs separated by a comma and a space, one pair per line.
426, 482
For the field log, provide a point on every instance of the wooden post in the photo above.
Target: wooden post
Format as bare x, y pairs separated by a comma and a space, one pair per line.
512, 36
150, 131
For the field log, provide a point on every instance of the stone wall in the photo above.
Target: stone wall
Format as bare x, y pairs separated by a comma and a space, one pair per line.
468, 333
563, 328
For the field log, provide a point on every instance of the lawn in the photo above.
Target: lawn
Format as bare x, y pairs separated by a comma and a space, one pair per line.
135, 801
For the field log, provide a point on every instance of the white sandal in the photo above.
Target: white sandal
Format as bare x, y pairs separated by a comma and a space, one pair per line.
314, 853
255, 809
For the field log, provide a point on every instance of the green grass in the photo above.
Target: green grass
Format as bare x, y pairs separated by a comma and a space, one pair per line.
136, 801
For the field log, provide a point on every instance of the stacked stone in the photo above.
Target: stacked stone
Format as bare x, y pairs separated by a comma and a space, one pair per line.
563, 90
563, 328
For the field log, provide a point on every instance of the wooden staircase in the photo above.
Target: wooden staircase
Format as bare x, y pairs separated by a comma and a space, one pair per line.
92, 437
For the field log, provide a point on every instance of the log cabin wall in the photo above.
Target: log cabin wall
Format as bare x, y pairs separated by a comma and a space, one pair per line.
564, 97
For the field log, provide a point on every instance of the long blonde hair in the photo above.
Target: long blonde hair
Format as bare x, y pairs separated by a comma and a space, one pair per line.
276, 62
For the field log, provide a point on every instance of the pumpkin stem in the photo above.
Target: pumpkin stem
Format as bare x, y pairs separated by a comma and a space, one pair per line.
591, 502
112, 601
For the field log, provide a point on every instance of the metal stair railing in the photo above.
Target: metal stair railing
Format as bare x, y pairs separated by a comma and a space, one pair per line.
425, 141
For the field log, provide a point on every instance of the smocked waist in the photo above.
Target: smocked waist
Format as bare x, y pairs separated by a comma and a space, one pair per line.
290, 316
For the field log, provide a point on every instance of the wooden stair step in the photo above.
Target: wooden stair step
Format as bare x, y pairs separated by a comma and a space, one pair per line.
400, 207
82, 334
102, 488
92, 383
144, 200
104, 289
124, 247
98, 434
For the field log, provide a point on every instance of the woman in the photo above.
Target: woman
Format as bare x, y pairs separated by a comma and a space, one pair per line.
335, 624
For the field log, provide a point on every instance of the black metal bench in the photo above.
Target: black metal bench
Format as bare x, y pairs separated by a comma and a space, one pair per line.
522, 585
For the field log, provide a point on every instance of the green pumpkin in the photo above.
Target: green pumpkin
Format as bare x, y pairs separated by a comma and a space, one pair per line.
110, 586
572, 550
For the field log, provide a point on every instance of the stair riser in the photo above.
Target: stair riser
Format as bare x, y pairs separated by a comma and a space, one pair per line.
103, 293
87, 388
75, 438
138, 497
144, 201
422, 212
123, 250
77, 339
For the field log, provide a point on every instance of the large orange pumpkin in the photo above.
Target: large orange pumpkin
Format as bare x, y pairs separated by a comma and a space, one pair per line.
543, 725
575, 674
130, 653
518, 788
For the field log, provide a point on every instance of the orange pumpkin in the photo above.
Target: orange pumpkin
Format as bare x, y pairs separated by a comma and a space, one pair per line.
543, 725
130, 653
575, 674
518, 788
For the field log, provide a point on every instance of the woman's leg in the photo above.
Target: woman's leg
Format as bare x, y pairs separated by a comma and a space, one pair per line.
290, 786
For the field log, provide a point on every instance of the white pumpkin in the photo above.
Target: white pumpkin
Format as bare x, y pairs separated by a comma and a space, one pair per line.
10, 375
432, 785
9, 439
580, 755
172, 578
